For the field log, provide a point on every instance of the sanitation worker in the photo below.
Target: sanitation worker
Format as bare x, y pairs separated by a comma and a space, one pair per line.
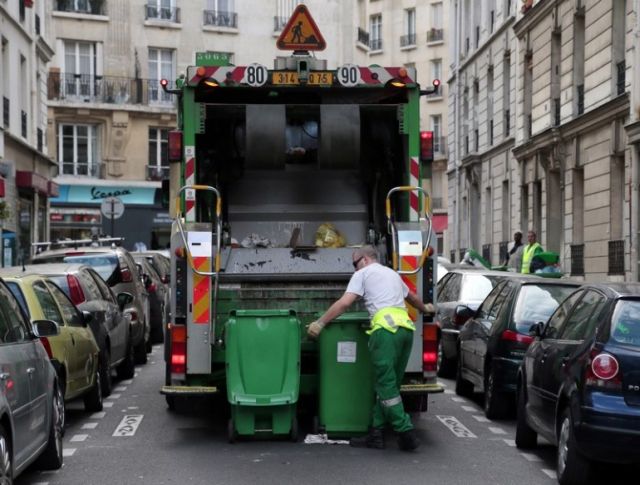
391, 336
530, 250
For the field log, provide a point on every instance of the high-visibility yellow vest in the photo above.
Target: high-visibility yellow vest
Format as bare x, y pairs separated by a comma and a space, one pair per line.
391, 318
527, 255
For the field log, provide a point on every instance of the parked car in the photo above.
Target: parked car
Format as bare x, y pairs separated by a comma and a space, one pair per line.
116, 266
160, 262
460, 286
31, 402
158, 297
493, 342
579, 383
111, 328
74, 352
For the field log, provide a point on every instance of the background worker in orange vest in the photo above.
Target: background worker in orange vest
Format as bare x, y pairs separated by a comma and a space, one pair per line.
529, 251
390, 340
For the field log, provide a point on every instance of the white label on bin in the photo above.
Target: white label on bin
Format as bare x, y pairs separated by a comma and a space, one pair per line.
347, 352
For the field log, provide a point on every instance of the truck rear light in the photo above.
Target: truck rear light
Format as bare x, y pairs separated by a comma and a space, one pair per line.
76, 295
125, 275
511, 336
430, 349
178, 349
47, 346
175, 145
603, 372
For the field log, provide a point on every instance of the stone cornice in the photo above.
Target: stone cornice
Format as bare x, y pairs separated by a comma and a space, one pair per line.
533, 16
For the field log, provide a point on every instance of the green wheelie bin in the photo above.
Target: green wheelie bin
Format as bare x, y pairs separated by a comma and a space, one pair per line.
345, 377
263, 372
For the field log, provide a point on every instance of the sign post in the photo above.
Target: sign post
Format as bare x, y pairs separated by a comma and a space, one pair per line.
113, 208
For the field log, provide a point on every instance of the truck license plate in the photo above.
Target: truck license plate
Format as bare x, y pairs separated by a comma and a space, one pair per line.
317, 78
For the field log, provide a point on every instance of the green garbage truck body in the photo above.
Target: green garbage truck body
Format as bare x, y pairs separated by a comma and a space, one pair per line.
260, 160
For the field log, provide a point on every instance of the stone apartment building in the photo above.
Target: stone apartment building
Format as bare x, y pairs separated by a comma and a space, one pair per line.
569, 175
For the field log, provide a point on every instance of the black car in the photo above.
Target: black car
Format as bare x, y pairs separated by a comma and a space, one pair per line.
460, 286
493, 342
579, 383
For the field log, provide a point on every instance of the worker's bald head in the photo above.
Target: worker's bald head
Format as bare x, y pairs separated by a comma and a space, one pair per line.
366, 251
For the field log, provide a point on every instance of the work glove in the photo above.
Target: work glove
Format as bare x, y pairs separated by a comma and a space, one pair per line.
431, 310
314, 328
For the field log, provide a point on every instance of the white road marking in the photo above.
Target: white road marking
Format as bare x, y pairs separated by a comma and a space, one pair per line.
68, 452
107, 404
481, 419
550, 473
120, 388
458, 399
456, 427
497, 430
114, 396
79, 437
89, 425
126, 383
129, 425
99, 415
471, 409
511, 443
153, 361
531, 457
449, 391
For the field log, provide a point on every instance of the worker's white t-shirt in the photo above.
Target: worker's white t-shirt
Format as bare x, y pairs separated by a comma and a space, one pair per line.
379, 286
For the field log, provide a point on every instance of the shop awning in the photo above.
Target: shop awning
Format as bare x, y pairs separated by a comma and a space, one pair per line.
2, 187
95, 194
31, 180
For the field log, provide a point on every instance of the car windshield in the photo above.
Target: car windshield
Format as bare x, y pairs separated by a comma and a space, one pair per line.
17, 292
536, 303
476, 287
104, 264
625, 324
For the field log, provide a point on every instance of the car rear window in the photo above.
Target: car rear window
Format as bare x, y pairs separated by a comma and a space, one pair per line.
536, 303
625, 324
17, 292
105, 264
476, 287
62, 282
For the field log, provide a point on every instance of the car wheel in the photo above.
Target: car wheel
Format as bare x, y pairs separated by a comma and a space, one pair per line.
126, 368
140, 353
6, 465
105, 372
51, 458
93, 399
463, 387
526, 437
495, 404
446, 367
572, 467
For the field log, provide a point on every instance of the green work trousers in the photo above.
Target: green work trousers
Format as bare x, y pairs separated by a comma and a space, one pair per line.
389, 356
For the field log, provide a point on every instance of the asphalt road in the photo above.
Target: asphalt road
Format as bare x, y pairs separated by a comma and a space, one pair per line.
136, 440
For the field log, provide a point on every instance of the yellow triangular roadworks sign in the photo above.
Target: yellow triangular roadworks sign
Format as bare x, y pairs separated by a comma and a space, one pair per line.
301, 32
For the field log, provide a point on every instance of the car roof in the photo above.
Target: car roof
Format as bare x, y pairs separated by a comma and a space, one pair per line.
15, 273
49, 268
77, 251
616, 289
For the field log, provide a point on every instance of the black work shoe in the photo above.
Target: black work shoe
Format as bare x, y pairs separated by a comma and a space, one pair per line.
375, 439
408, 441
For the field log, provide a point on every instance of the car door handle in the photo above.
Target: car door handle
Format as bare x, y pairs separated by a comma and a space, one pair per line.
4, 376
31, 370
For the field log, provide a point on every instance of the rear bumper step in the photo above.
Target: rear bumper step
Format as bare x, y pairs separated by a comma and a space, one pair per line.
417, 389
189, 390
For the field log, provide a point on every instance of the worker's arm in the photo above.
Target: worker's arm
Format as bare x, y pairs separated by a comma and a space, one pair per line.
338, 308
417, 303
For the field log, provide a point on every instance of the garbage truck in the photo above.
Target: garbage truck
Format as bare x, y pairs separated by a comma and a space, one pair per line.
276, 175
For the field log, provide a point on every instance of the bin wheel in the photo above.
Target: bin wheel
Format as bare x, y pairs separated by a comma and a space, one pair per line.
232, 435
293, 434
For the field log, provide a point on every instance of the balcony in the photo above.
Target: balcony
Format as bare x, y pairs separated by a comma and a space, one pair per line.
157, 172
407, 40
85, 88
435, 35
84, 169
217, 18
363, 36
375, 44
165, 14
90, 7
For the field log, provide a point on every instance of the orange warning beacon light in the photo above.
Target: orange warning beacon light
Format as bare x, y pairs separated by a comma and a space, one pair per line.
301, 33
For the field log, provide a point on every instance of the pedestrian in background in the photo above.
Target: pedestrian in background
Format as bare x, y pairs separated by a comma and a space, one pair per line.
390, 340
514, 256
529, 251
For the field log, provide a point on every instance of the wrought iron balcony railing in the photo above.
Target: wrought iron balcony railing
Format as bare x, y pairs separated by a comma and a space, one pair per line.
363, 36
218, 18
407, 40
375, 44
435, 35
157, 172
169, 14
85, 169
91, 7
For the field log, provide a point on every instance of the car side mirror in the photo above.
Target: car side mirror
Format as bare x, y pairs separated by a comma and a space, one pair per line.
124, 299
87, 318
45, 328
461, 314
536, 329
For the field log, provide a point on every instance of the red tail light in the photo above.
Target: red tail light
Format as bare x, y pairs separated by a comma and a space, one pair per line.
430, 348
152, 288
75, 290
178, 349
512, 336
603, 371
133, 315
175, 145
47, 346
125, 274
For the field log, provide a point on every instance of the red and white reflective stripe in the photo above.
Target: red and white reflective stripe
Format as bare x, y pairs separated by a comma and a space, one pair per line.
201, 291
219, 74
190, 179
409, 263
414, 181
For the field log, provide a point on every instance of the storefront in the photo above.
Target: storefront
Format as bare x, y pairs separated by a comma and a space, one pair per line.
75, 213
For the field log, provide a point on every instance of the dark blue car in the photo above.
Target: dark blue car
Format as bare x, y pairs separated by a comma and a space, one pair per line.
579, 384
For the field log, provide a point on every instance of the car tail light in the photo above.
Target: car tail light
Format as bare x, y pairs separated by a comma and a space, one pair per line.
133, 315
47, 346
430, 349
75, 290
178, 349
603, 371
125, 274
152, 288
511, 336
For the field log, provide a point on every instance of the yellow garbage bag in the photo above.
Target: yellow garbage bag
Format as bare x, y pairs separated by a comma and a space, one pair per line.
327, 236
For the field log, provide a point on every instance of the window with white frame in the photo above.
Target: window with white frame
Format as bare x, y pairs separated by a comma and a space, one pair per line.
436, 73
161, 66
78, 149
284, 9
436, 128
436, 15
410, 22
375, 30
162, 10
79, 68
221, 13
158, 167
